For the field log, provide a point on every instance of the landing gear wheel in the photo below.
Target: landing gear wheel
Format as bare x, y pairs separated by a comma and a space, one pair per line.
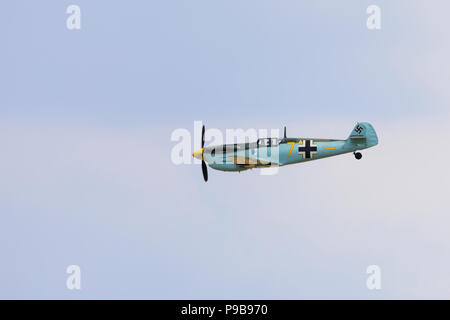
358, 155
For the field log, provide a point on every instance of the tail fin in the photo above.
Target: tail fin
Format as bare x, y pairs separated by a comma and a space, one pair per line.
362, 133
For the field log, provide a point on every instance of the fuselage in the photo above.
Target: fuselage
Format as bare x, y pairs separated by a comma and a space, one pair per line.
266, 152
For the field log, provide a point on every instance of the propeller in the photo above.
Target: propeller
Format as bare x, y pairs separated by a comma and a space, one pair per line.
285, 132
204, 167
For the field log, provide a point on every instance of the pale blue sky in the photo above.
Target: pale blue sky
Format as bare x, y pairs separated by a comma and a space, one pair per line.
86, 176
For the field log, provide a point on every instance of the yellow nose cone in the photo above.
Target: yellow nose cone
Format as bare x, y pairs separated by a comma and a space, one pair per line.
198, 154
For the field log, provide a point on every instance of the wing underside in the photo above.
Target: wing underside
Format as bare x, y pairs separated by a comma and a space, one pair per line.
249, 161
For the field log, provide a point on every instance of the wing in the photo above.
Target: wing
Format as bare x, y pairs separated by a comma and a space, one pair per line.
249, 161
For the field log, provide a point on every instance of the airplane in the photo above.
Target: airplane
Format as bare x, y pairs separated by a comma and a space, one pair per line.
267, 152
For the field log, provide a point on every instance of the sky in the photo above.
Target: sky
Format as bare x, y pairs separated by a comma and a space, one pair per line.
86, 118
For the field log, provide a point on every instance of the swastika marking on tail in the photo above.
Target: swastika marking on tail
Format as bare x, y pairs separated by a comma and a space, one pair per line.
358, 128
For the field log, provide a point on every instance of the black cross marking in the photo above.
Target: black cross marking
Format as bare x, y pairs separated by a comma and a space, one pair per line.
307, 149
358, 128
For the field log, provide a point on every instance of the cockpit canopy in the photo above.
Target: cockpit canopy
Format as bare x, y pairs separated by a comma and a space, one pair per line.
267, 142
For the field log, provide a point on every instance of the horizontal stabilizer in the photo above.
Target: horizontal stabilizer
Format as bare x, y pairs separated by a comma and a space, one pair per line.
357, 137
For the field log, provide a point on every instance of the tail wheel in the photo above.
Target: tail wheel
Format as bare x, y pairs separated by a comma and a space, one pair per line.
358, 155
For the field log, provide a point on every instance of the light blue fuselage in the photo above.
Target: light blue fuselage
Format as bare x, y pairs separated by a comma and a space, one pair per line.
274, 152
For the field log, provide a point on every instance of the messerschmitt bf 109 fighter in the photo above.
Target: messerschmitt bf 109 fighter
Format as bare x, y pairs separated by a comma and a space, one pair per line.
269, 152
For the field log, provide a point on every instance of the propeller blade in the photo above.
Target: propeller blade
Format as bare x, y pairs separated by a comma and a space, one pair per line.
205, 171
284, 132
204, 167
203, 136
